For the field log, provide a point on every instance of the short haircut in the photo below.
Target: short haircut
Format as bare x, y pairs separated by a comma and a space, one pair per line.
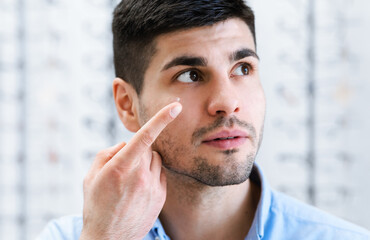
137, 23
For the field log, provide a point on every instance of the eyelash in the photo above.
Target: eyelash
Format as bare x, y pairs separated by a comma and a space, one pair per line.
250, 67
188, 70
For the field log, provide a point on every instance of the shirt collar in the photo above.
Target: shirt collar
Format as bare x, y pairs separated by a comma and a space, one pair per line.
263, 208
158, 231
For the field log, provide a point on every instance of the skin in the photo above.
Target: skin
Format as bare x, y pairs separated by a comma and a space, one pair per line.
205, 184
125, 188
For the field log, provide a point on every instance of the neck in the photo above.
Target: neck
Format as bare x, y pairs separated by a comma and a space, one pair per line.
196, 211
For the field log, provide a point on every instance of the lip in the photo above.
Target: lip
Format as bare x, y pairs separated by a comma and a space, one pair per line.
226, 139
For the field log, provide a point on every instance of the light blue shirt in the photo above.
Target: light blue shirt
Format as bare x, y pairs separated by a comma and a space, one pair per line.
278, 217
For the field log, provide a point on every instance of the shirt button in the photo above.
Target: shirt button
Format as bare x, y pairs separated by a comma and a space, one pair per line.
156, 238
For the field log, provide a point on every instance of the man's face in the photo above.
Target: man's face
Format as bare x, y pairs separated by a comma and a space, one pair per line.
214, 71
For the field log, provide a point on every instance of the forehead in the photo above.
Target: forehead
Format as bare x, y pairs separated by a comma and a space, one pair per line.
222, 38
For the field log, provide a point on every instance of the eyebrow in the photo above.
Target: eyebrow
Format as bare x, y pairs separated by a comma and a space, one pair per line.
200, 61
187, 61
242, 53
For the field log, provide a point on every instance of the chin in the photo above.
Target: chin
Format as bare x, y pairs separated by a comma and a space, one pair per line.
229, 171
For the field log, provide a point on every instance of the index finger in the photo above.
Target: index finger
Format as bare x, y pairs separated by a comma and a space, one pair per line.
148, 133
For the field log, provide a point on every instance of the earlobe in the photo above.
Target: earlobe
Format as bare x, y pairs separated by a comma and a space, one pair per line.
125, 98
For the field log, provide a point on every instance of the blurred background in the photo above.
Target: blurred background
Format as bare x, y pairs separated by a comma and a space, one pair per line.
57, 111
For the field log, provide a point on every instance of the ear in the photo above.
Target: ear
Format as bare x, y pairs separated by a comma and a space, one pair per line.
125, 98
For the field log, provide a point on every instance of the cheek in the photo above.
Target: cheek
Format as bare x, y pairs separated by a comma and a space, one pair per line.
254, 104
259, 101
174, 144
151, 106
181, 129
260, 110
191, 110
184, 124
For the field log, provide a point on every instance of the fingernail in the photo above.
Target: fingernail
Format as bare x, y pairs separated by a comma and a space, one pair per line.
175, 111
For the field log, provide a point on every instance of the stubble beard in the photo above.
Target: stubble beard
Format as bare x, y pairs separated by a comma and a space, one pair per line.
200, 168
230, 171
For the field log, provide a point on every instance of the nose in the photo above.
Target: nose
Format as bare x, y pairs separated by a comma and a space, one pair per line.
223, 98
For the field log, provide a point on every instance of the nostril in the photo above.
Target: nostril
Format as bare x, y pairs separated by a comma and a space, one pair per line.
219, 112
223, 105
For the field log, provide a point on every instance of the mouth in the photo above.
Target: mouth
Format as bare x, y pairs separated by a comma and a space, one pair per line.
226, 140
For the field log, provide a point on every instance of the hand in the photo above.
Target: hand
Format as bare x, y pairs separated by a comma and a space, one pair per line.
125, 189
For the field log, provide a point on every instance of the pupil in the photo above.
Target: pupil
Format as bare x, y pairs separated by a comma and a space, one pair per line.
193, 76
245, 70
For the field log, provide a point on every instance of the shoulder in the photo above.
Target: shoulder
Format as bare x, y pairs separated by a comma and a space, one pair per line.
308, 222
68, 227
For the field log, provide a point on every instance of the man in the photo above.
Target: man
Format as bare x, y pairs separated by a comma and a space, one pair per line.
189, 171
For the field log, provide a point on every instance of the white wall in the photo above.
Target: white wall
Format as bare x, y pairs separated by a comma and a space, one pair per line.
56, 108
314, 67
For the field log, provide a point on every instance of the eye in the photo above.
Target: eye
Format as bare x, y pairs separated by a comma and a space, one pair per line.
242, 70
189, 76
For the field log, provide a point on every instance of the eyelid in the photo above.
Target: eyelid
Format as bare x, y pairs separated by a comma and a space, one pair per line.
177, 75
252, 62
249, 65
